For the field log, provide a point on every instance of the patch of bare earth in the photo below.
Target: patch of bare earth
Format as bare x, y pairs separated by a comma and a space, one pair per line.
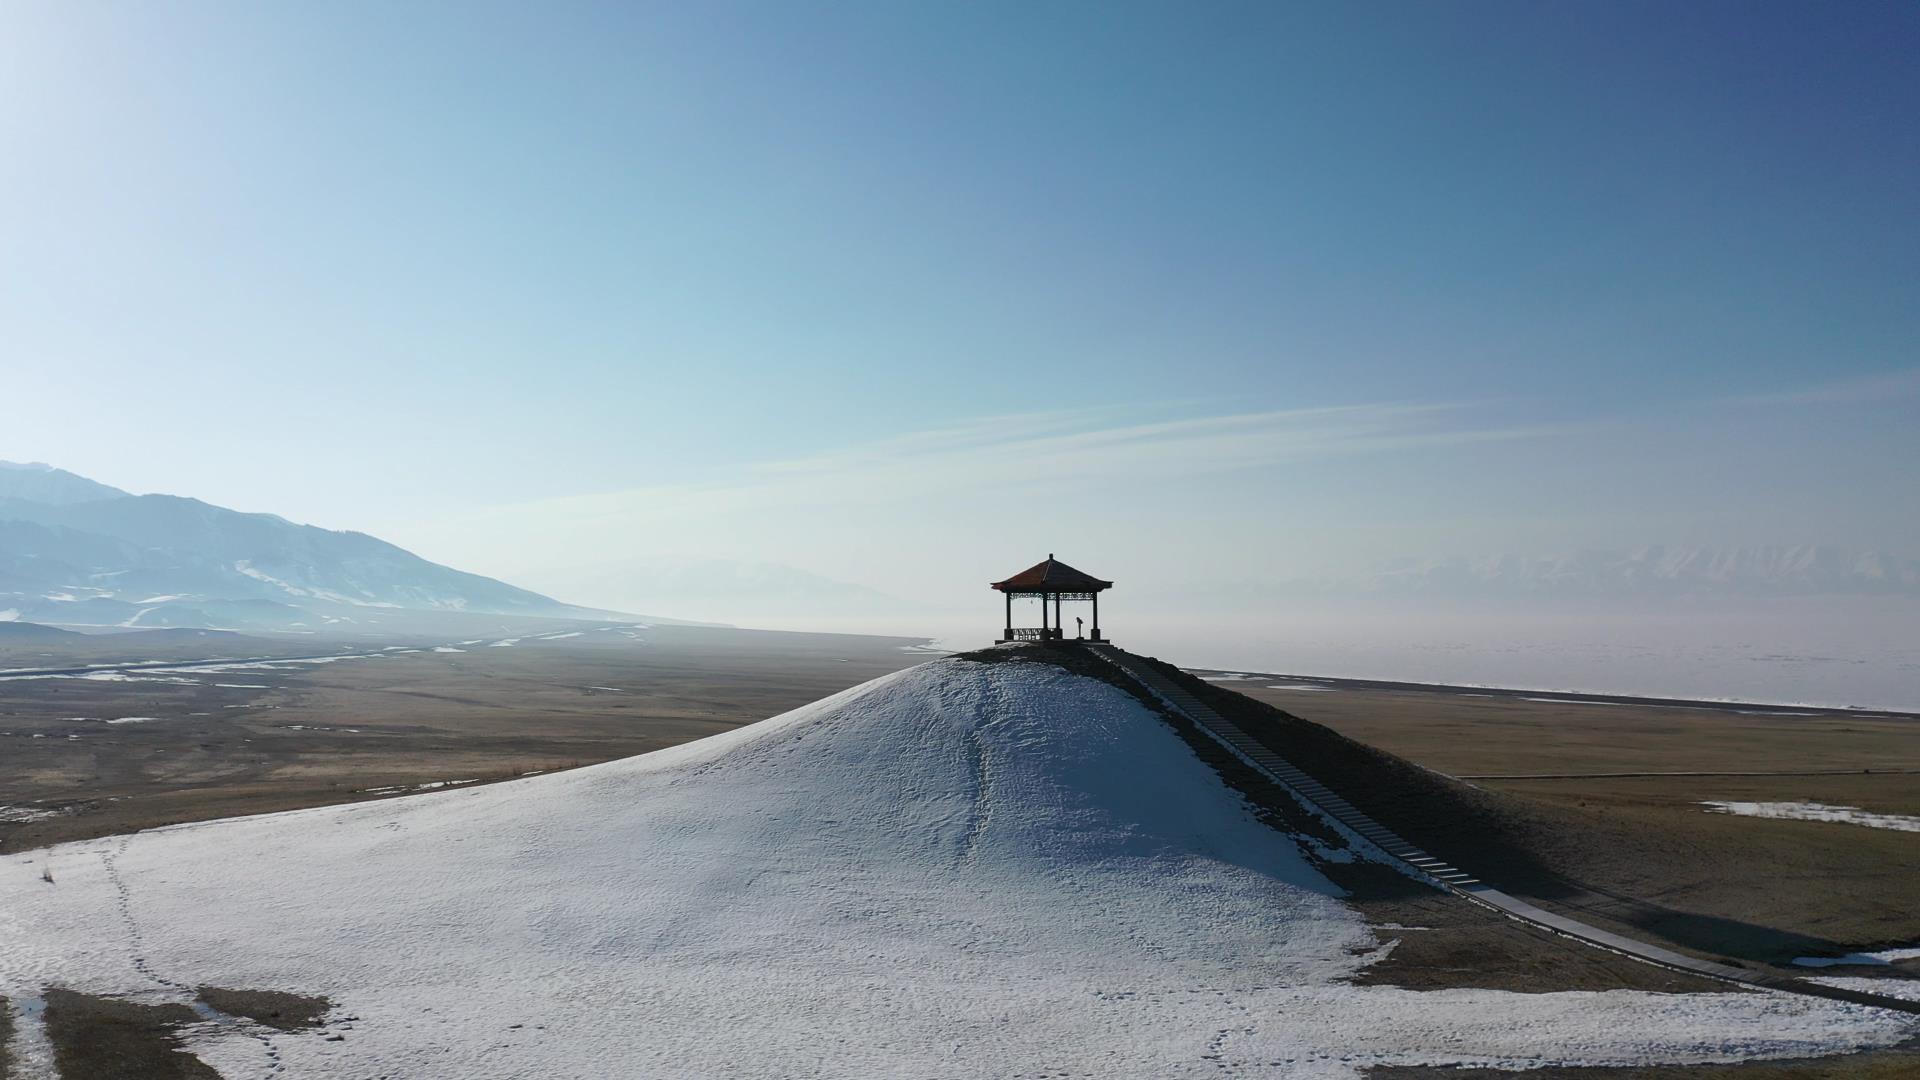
274, 1008
102, 1038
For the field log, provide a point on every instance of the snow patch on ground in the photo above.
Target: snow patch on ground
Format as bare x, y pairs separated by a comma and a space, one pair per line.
1863, 959
100, 676
447, 648
434, 785
133, 719
1300, 686
1904, 989
266, 665
149, 671
962, 870
1811, 811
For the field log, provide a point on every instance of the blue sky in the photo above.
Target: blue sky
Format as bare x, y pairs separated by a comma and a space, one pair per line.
859, 287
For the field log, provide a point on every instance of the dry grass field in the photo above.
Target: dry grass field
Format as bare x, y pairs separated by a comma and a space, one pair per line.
196, 744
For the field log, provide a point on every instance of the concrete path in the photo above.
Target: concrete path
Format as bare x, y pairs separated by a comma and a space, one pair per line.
1370, 833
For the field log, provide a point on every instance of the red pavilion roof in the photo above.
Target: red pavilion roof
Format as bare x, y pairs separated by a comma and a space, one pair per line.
1051, 576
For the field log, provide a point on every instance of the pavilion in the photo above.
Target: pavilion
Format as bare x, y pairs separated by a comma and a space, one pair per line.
1056, 581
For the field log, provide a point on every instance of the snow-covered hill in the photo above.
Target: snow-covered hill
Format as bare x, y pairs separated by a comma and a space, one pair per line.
959, 870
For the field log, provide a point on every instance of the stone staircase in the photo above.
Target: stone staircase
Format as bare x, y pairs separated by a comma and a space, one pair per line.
1310, 792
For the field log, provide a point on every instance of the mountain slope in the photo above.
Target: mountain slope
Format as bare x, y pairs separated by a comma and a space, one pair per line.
961, 869
42, 483
205, 547
161, 560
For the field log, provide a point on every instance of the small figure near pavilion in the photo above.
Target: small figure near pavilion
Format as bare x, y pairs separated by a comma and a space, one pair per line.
1053, 581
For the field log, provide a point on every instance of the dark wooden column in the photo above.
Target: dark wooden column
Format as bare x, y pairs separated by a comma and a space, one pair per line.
1008, 636
1096, 616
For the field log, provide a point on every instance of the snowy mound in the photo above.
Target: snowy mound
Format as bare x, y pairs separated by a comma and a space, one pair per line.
961, 869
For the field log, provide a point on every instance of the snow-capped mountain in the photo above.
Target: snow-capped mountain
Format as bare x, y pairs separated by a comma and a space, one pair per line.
73, 551
1806, 570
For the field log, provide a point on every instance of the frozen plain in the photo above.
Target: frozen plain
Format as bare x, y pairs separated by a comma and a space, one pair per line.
956, 870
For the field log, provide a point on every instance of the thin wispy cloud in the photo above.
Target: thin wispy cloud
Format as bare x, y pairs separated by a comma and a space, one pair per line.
1064, 445
1041, 450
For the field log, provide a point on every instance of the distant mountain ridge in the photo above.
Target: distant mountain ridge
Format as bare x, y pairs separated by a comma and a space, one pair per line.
42, 483
1658, 570
75, 551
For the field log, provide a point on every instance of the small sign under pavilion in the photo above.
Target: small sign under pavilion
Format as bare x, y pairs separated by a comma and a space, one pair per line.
1053, 581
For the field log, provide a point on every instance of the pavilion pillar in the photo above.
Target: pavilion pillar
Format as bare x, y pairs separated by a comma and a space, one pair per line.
1096, 615
1009, 634
1059, 625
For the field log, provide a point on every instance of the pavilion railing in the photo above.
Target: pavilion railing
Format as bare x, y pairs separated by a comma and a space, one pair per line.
1032, 633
